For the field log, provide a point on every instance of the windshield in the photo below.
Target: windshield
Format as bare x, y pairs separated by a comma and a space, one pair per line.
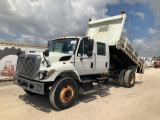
66, 45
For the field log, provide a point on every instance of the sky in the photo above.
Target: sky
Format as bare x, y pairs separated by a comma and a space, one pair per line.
37, 21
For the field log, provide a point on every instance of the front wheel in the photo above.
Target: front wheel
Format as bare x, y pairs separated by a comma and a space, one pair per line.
63, 93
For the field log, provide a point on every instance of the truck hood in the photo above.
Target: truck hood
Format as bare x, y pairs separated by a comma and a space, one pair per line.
55, 57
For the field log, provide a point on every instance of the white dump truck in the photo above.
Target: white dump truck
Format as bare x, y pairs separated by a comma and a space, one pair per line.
73, 65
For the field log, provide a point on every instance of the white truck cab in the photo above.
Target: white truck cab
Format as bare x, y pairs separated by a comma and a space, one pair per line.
71, 65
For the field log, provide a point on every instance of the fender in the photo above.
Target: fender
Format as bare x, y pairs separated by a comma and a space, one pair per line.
60, 67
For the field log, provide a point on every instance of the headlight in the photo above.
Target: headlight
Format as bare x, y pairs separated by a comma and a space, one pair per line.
45, 74
41, 76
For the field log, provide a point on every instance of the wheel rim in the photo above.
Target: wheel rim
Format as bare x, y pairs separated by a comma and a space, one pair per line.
66, 93
132, 79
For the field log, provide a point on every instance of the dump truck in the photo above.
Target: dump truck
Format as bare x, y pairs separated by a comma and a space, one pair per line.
79, 65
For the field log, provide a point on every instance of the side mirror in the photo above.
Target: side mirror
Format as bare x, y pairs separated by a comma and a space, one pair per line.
90, 48
19, 52
91, 43
46, 53
89, 53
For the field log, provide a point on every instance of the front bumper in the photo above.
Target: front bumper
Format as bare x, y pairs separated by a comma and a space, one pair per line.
29, 85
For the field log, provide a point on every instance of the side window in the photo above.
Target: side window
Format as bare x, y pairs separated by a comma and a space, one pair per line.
49, 43
83, 47
101, 48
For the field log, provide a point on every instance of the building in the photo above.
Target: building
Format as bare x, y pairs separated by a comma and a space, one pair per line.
8, 56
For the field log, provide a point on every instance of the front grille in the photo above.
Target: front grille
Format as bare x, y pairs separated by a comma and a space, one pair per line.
28, 65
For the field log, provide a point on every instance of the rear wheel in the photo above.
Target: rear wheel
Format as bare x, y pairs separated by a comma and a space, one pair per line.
63, 93
121, 77
129, 78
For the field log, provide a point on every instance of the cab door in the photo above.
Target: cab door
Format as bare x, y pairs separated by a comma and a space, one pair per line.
83, 63
102, 58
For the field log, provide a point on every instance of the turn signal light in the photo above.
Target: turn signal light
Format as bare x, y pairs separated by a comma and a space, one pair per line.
123, 11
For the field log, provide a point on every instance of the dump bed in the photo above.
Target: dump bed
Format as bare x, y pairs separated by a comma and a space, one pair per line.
109, 30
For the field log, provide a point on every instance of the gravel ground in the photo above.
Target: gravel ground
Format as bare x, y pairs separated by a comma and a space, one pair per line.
142, 102
7, 83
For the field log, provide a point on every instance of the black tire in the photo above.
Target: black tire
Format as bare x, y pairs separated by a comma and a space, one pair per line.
63, 93
129, 78
29, 92
121, 77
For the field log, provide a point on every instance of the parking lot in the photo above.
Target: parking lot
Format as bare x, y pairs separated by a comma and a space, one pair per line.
142, 102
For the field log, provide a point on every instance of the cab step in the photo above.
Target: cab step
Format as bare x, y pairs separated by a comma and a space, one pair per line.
102, 81
88, 81
96, 80
88, 86
102, 78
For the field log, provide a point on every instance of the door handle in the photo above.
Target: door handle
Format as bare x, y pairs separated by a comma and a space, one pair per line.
91, 64
106, 64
